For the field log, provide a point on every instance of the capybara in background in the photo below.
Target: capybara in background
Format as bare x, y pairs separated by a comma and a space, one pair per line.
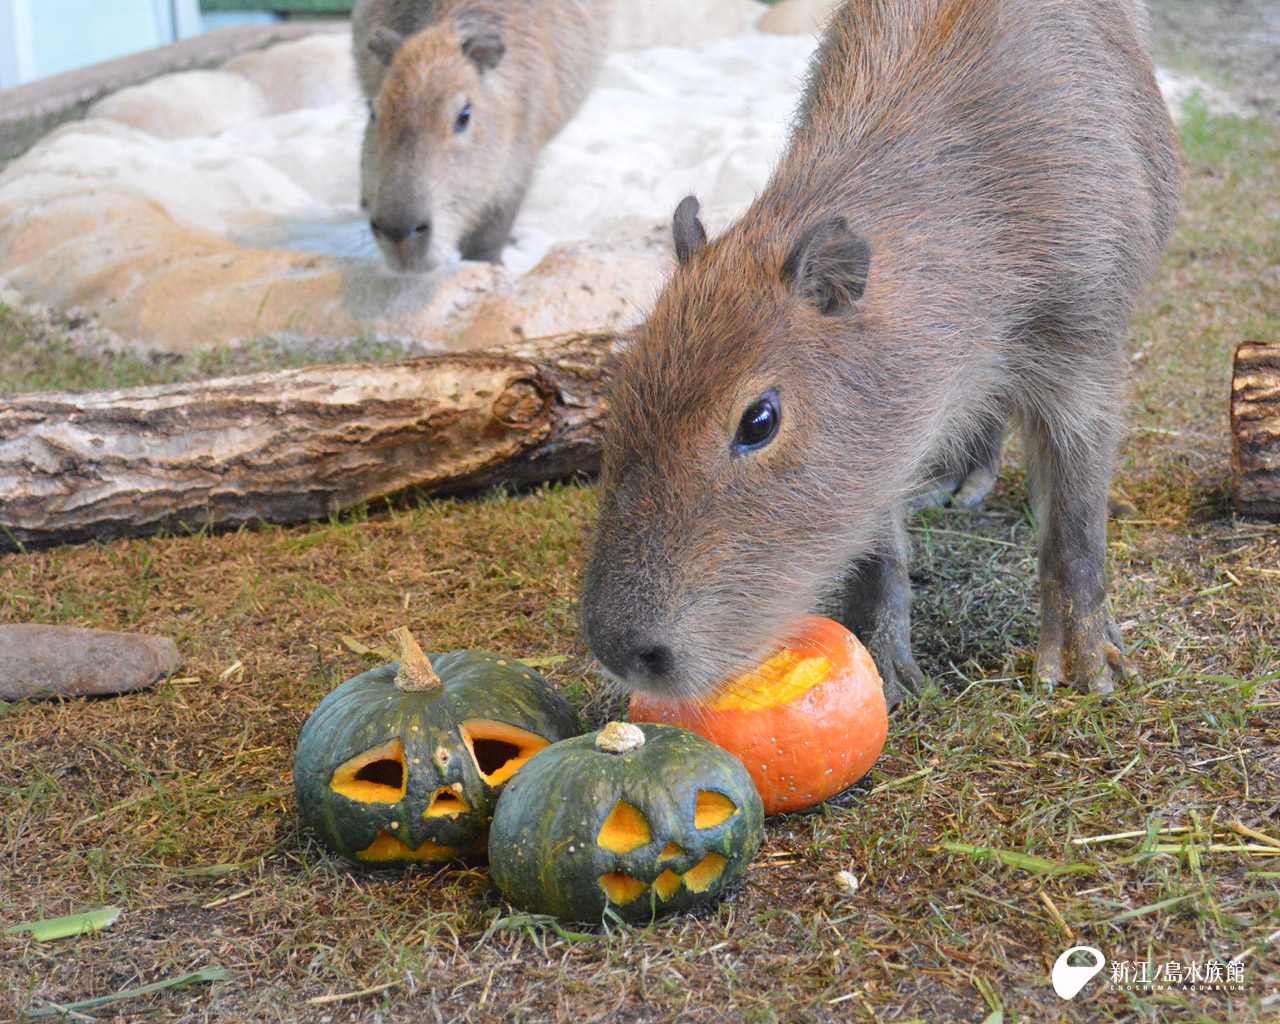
974, 195
463, 94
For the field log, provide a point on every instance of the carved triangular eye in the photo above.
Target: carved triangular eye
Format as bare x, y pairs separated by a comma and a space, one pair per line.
712, 809
499, 749
377, 776
625, 829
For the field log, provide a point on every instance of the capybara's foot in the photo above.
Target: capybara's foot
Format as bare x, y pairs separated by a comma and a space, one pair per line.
1086, 658
899, 672
876, 607
963, 481
975, 487
965, 490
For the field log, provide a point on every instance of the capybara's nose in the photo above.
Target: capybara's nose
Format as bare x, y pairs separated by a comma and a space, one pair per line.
397, 233
650, 663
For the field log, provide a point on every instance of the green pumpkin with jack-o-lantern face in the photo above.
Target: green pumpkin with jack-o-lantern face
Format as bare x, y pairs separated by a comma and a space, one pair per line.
404, 763
635, 820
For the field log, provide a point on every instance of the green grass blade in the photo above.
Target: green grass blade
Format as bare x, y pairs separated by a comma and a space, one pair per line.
195, 977
1150, 908
1014, 859
545, 660
50, 928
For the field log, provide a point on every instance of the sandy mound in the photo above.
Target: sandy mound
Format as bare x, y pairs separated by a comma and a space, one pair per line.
211, 206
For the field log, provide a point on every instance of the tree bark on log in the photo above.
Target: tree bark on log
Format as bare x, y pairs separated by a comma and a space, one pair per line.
1255, 428
292, 445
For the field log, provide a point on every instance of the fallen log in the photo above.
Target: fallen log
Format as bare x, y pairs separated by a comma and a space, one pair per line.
291, 445
1255, 428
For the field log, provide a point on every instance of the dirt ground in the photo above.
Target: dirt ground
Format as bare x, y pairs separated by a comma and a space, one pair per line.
1235, 43
1000, 827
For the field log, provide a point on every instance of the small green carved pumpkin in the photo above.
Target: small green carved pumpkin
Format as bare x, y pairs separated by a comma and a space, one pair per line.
404, 763
642, 819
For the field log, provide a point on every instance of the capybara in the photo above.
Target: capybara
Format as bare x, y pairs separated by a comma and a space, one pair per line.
463, 94
973, 196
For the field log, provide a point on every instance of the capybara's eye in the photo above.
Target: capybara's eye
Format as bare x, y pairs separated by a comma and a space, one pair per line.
373, 115
462, 120
759, 423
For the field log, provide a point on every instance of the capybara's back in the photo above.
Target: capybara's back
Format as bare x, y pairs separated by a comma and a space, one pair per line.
974, 196
463, 94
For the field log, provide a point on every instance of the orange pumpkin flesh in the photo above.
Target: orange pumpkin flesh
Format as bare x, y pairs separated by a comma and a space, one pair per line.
807, 724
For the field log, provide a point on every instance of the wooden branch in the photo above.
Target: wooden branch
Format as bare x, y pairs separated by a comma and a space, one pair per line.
292, 445
1255, 428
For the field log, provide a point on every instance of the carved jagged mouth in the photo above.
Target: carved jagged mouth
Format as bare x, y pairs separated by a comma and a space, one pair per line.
626, 829
621, 888
386, 847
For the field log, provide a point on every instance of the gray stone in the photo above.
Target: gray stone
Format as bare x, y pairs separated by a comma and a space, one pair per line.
39, 661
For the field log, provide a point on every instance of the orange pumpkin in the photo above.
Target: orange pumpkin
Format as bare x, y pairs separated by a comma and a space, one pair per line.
808, 723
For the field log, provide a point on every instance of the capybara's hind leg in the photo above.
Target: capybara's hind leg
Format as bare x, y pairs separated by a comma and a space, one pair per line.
1068, 478
965, 478
984, 464
876, 607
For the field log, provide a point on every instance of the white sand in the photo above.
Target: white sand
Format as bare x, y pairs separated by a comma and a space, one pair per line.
662, 122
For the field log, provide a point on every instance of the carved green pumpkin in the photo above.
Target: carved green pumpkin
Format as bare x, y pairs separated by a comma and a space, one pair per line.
404, 763
643, 820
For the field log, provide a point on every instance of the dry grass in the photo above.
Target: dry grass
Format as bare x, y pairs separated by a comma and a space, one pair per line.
176, 804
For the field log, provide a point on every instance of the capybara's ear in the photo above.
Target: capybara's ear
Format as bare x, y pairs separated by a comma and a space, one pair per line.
687, 229
829, 265
484, 50
384, 43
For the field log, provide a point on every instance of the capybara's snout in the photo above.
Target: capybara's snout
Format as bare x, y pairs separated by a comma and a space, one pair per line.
654, 630
405, 241
633, 648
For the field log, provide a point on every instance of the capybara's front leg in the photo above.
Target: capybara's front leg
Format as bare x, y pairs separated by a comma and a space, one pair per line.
876, 607
1079, 641
492, 231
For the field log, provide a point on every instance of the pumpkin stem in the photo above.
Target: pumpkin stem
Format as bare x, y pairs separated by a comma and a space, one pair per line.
619, 738
415, 671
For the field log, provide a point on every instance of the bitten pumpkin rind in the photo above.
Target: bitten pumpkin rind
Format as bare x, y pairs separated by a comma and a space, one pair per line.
439, 807
545, 846
801, 752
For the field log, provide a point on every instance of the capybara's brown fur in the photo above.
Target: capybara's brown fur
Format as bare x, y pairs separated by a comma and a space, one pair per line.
463, 94
974, 196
